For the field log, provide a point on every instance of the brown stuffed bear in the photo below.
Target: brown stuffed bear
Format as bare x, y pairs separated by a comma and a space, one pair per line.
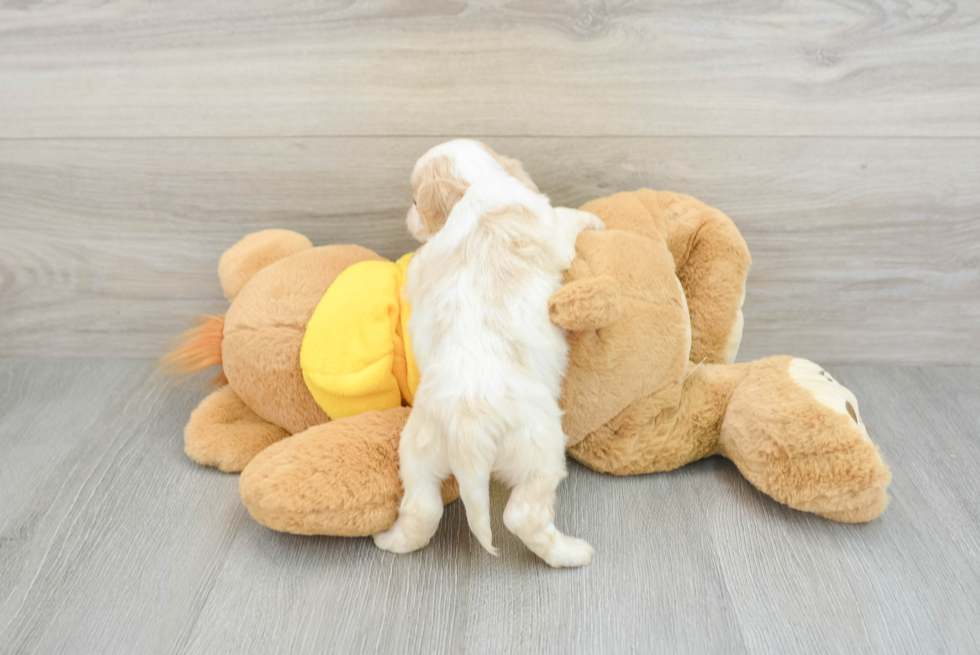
652, 307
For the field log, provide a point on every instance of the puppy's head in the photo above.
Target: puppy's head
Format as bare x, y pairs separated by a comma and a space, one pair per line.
442, 175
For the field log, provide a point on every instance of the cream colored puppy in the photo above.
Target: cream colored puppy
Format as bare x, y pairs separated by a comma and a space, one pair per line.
491, 362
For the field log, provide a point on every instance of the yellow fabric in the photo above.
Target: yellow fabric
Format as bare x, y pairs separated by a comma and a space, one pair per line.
355, 356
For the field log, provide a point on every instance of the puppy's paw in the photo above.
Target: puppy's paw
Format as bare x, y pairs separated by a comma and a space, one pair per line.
582, 220
569, 552
593, 222
395, 540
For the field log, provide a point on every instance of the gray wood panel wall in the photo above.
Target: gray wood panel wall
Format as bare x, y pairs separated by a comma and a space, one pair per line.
139, 140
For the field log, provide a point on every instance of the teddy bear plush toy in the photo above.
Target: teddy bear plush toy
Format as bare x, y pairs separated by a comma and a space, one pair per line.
317, 374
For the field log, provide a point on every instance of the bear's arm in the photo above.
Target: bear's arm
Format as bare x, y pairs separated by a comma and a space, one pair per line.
712, 264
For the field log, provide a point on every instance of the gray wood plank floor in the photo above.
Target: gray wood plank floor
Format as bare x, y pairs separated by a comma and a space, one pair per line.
112, 541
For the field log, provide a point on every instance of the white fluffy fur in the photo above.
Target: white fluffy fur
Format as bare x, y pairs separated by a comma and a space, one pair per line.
491, 365
470, 161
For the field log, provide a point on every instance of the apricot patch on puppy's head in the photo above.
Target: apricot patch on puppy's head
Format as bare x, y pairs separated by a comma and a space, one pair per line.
436, 190
443, 174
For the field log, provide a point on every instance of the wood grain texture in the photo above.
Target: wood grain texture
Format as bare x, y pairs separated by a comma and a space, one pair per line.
111, 540
571, 68
864, 250
139, 139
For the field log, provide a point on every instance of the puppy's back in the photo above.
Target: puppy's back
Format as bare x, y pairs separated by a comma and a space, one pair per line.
479, 292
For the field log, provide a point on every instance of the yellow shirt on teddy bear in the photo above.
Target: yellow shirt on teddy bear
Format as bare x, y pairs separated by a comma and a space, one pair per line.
355, 355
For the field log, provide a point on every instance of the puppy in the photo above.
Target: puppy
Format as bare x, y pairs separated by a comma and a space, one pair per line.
491, 362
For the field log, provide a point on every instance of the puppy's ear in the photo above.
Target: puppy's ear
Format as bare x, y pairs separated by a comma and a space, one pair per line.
516, 169
513, 167
436, 198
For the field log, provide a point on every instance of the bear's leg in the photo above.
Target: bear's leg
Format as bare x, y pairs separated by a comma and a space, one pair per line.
797, 435
338, 478
224, 433
667, 429
789, 427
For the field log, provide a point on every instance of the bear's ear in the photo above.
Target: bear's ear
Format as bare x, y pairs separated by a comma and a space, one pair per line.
436, 198
586, 304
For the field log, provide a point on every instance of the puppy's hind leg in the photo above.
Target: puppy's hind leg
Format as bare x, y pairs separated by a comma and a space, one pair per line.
421, 507
530, 515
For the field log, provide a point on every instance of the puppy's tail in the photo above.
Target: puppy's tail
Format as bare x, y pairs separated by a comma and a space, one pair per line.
474, 489
199, 348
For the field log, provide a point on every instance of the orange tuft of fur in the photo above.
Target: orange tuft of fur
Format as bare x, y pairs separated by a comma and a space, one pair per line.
199, 348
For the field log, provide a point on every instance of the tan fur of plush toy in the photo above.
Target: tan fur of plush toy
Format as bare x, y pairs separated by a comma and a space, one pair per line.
653, 309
